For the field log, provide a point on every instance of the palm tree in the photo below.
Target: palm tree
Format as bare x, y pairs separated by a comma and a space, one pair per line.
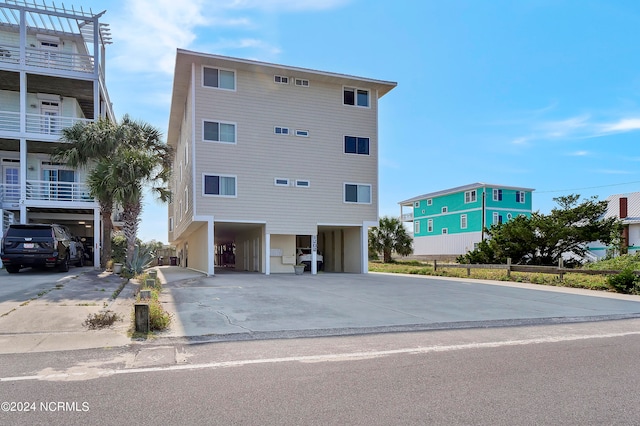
125, 157
93, 144
141, 159
390, 236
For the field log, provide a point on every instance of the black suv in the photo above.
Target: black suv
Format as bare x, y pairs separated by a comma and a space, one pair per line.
40, 245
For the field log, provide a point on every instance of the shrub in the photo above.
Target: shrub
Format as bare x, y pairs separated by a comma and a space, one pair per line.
159, 319
101, 320
624, 282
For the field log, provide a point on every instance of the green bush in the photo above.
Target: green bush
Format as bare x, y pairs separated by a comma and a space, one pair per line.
624, 282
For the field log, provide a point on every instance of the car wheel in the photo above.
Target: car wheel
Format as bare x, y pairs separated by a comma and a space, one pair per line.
64, 266
13, 269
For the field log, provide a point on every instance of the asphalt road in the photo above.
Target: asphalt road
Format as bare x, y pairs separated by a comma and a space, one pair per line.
578, 374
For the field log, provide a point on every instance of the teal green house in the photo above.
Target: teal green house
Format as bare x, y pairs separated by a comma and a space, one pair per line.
450, 222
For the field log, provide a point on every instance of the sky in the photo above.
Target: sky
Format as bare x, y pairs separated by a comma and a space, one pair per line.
541, 94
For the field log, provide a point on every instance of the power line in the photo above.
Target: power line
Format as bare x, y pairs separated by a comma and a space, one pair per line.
588, 187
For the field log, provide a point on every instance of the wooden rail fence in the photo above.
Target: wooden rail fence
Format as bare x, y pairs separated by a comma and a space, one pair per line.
559, 270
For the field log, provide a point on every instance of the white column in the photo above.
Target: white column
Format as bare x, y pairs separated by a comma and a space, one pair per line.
267, 254
364, 236
23, 180
211, 262
314, 254
97, 241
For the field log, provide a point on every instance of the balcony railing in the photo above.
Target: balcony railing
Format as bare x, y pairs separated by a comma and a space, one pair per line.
407, 217
37, 123
44, 58
47, 191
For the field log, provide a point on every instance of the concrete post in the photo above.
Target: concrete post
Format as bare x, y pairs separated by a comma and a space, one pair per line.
142, 317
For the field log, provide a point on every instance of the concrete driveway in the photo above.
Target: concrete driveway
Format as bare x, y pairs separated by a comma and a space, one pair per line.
45, 311
234, 305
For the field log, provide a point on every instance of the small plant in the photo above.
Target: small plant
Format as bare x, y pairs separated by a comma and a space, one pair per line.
142, 257
624, 282
101, 320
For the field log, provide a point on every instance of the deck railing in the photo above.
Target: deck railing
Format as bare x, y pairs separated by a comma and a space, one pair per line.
47, 191
44, 58
41, 124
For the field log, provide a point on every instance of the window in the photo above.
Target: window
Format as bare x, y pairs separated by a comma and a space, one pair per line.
281, 182
520, 197
281, 130
429, 202
470, 196
416, 227
444, 209
180, 175
224, 186
509, 216
497, 195
302, 133
186, 152
170, 224
416, 204
302, 82
186, 199
303, 183
180, 209
356, 97
219, 132
280, 79
430, 225
463, 221
357, 193
445, 231
356, 145
221, 79
497, 218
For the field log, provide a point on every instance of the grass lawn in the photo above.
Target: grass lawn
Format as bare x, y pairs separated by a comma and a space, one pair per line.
591, 282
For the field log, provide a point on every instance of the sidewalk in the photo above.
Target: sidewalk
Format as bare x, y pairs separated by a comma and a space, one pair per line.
53, 319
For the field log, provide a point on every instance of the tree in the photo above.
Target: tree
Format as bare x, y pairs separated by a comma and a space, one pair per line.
93, 144
125, 157
388, 237
140, 159
544, 239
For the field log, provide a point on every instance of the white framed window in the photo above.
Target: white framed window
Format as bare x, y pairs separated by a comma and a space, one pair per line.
416, 227
429, 202
180, 209
302, 183
445, 209
281, 130
180, 174
416, 204
497, 218
186, 151
423, 211
219, 185
463, 221
302, 82
356, 97
217, 131
218, 78
186, 199
170, 224
280, 79
497, 195
357, 193
356, 145
430, 225
281, 182
302, 133
509, 216
470, 196
520, 197
445, 231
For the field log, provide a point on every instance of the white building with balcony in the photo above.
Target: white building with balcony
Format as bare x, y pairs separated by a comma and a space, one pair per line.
51, 76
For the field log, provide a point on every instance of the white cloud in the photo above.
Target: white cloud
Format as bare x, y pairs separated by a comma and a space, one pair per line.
579, 154
287, 5
520, 141
622, 125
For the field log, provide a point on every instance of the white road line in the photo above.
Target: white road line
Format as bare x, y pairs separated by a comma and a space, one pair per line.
348, 356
